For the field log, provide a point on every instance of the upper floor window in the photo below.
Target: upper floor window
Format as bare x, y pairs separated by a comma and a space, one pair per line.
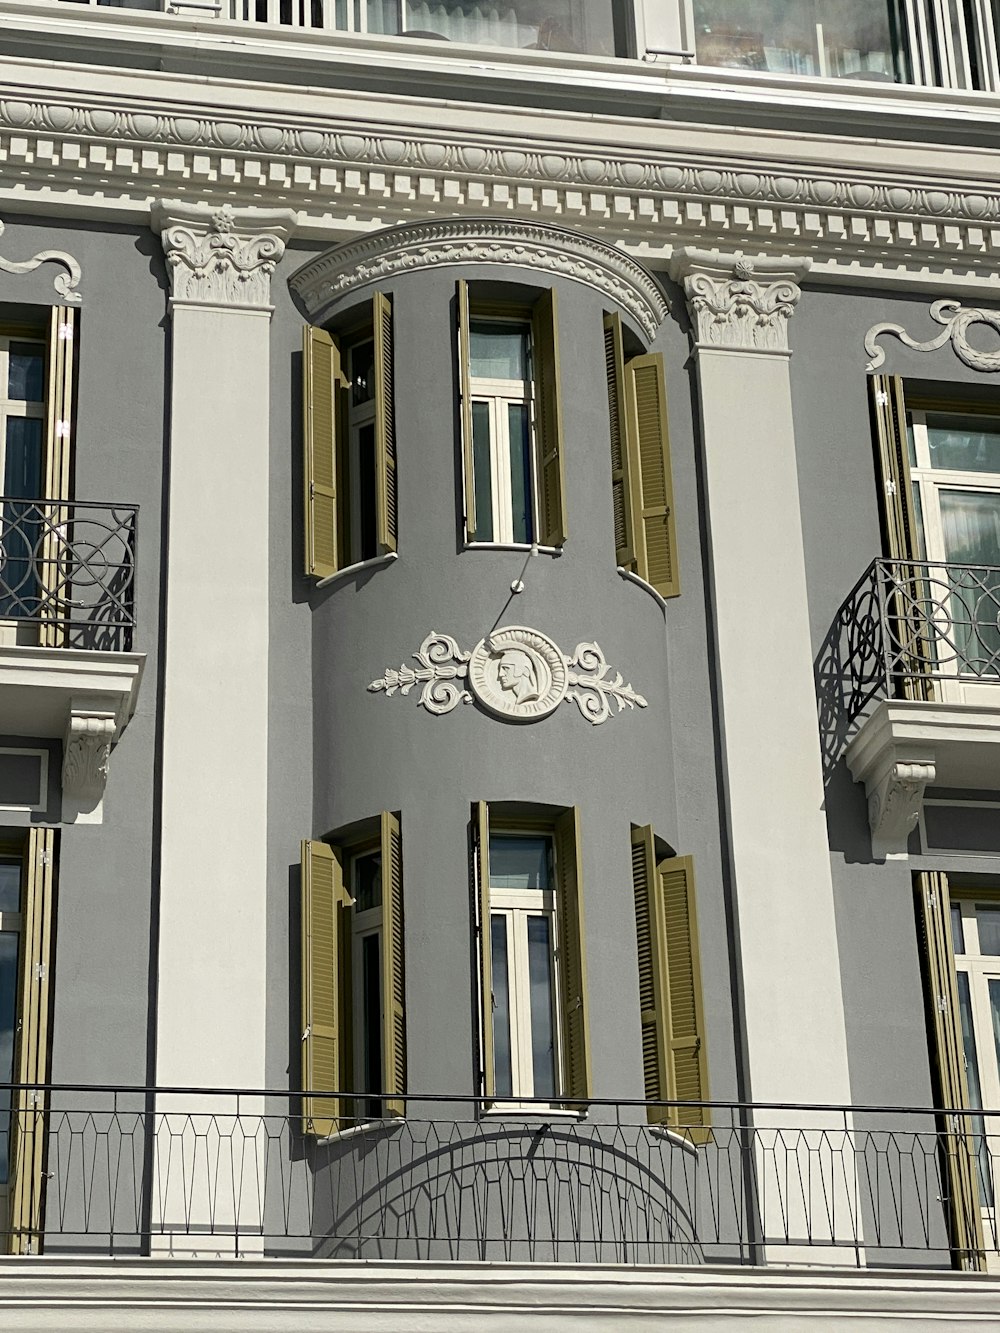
22, 416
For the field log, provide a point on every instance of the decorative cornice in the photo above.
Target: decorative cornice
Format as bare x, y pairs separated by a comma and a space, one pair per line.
739, 302
64, 283
957, 321
555, 251
217, 256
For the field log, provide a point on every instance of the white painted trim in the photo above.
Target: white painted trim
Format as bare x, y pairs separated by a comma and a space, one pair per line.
647, 587
513, 546
510, 1112
359, 565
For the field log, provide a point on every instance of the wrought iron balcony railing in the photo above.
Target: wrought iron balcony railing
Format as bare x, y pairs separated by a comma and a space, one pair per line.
906, 628
68, 567
213, 1172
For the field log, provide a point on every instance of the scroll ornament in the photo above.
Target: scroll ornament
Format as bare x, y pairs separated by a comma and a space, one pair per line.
515, 673
957, 321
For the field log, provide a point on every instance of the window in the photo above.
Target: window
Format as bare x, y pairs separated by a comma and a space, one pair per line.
675, 1066
354, 1028
27, 906
349, 438
511, 421
529, 916
642, 491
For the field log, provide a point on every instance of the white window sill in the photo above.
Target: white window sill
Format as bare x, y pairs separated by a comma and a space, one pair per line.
540, 1114
513, 546
373, 563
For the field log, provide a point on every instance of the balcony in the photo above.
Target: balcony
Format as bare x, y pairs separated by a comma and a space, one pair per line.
908, 681
67, 620
216, 1173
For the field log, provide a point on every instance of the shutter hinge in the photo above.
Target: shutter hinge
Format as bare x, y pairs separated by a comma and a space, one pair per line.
942, 1003
36, 1096
890, 487
40, 971
62, 430
308, 1031
65, 332
931, 898
881, 397
46, 857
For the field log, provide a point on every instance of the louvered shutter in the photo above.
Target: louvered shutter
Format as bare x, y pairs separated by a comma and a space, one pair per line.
548, 421
653, 989
27, 1136
322, 1065
572, 961
465, 391
322, 376
393, 974
656, 539
933, 904
480, 877
621, 491
55, 583
687, 1068
385, 426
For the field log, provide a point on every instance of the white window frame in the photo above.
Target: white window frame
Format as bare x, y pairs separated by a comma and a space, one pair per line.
499, 395
516, 906
364, 925
17, 407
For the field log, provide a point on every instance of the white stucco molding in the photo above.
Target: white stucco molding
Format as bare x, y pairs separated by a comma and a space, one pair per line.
555, 251
739, 302
64, 283
957, 321
218, 256
907, 745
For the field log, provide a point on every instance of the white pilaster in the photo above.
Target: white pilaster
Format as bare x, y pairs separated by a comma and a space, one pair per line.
789, 964
212, 946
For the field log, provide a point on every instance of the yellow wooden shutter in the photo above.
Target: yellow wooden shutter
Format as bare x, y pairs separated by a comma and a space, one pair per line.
393, 972
465, 392
27, 1138
649, 445
687, 1067
895, 486
572, 960
653, 989
385, 426
59, 425
621, 491
548, 421
481, 891
321, 378
322, 1065
933, 903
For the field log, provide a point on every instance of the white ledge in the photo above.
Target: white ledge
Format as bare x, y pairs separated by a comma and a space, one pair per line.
513, 546
907, 745
359, 565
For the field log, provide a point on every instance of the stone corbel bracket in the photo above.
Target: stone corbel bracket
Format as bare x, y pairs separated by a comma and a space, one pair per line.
895, 797
92, 726
739, 302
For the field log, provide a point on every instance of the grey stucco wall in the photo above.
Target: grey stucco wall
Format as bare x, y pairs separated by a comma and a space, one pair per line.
100, 1031
874, 901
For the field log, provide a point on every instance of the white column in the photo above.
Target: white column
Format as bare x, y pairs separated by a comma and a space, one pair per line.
212, 964
789, 965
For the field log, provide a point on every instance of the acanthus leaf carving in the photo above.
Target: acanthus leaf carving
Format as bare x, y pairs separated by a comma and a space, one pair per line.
221, 257
737, 301
86, 755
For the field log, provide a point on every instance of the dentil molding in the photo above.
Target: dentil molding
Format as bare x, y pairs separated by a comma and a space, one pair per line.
64, 283
737, 301
555, 251
515, 673
217, 256
957, 321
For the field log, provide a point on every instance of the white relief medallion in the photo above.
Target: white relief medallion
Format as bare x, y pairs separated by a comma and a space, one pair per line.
518, 672
515, 673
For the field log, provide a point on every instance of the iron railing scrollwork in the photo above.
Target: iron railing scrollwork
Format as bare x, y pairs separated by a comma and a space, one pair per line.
69, 568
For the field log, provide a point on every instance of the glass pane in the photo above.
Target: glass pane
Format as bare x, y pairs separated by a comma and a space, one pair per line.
520, 471
498, 351
518, 862
957, 929
26, 373
381, 16
483, 471
362, 373
502, 1071
371, 999
971, 524
367, 499
980, 1146
918, 513
911, 447
8, 1027
558, 25
23, 467
368, 882
10, 890
543, 1052
964, 443
988, 919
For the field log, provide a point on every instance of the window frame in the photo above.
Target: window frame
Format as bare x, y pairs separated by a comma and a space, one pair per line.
30, 409
358, 417
362, 926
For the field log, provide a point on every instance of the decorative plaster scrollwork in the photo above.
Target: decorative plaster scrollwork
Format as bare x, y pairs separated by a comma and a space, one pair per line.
738, 301
553, 250
219, 257
515, 673
894, 801
957, 321
86, 754
64, 283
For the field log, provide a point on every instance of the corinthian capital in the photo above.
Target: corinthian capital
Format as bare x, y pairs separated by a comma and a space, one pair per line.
218, 256
739, 301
